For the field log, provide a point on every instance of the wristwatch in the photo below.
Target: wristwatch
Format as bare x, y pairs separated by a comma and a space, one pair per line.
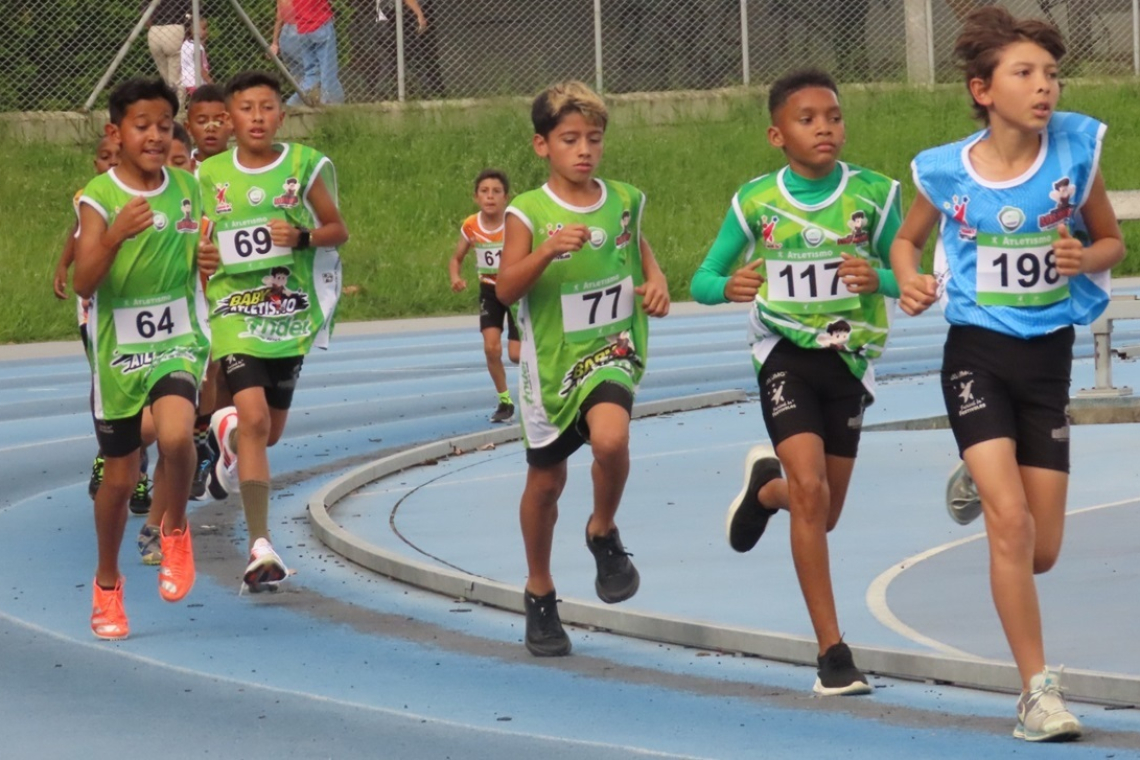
303, 239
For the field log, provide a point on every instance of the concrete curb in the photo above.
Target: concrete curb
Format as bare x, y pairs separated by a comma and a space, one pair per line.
1083, 685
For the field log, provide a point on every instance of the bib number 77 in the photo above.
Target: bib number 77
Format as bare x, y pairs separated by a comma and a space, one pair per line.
592, 312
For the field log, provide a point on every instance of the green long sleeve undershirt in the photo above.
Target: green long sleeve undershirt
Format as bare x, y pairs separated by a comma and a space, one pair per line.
731, 242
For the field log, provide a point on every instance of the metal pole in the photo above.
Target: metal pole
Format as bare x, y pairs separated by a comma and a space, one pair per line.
744, 61
401, 84
598, 45
265, 48
196, 14
1136, 37
120, 55
930, 41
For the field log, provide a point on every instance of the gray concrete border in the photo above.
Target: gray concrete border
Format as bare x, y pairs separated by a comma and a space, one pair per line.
994, 675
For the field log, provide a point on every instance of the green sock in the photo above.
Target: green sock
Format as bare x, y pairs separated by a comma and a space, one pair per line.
255, 501
505, 397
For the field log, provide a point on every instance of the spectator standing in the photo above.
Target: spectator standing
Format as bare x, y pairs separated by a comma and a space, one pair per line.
317, 31
287, 44
421, 48
189, 77
164, 38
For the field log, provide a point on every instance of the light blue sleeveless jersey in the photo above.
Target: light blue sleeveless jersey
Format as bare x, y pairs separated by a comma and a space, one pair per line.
994, 242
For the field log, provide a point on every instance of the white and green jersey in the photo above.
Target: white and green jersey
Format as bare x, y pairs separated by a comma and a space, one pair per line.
267, 300
802, 298
142, 323
580, 323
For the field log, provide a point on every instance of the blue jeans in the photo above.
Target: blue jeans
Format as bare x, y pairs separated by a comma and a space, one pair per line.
318, 57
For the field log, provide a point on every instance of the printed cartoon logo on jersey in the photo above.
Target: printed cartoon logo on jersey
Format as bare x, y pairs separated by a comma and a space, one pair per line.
768, 232
290, 199
1063, 193
857, 229
836, 336
618, 351
273, 300
958, 208
221, 205
623, 238
187, 223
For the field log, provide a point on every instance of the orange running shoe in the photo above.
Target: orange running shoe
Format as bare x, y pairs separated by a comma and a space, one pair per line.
176, 573
108, 618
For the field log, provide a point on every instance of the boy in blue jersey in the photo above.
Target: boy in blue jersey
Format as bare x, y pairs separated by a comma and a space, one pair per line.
1026, 243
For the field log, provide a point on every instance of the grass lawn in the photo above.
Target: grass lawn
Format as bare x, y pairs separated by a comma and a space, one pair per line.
406, 188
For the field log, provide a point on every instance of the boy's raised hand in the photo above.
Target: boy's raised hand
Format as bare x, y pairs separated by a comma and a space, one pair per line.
570, 238
858, 274
918, 294
209, 258
132, 219
654, 294
745, 282
1069, 251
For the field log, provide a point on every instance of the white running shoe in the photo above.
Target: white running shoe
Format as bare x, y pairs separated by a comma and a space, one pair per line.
265, 570
224, 426
1042, 715
962, 500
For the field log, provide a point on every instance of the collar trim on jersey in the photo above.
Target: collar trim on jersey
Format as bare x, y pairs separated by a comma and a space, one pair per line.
578, 209
268, 167
490, 231
135, 191
817, 206
1042, 152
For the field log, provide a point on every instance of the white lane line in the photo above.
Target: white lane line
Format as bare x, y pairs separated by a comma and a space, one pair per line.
877, 591
51, 442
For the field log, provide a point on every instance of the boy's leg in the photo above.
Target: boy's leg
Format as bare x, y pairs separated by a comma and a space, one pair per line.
253, 459
538, 513
493, 350
174, 412
120, 473
1046, 492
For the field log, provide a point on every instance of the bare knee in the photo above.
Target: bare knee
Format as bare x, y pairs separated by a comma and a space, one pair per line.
255, 424
176, 445
544, 485
513, 351
1043, 561
1011, 531
493, 347
610, 447
810, 499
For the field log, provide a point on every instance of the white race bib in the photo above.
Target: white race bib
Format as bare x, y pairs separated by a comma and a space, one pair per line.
487, 258
152, 323
248, 248
1019, 270
596, 309
807, 282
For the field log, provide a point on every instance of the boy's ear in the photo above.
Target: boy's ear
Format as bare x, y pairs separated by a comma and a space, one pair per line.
111, 130
775, 137
540, 146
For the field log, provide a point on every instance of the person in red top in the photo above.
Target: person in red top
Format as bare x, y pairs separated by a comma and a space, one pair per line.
316, 28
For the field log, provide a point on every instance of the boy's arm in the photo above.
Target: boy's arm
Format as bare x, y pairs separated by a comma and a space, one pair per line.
917, 291
654, 291
330, 234
1107, 247
98, 243
66, 257
883, 238
461, 249
711, 280
519, 267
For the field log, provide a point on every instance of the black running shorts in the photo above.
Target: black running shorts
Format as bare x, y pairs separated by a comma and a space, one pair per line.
492, 311
277, 376
118, 438
578, 434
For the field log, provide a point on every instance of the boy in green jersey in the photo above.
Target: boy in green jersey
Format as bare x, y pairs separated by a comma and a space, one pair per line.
814, 237
574, 259
274, 208
137, 258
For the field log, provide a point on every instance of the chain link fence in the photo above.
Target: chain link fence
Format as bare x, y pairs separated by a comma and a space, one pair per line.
64, 54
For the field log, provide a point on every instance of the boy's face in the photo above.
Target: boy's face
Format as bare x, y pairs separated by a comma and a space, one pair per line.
574, 148
809, 128
179, 156
1024, 88
145, 134
106, 155
491, 197
256, 115
209, 127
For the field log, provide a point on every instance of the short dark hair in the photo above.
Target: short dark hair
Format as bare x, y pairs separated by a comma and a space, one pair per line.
207, 93
182, 136
134, 90
559, 100
989, 30
247, 80
792, 82
279, 270
498, 174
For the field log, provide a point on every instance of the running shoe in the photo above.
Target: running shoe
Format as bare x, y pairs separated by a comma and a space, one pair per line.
265, 570
962, 500
96, 476
224, 426
150, 547
204, 474
545, 636
1042, 715
747, 519
504, 413
108, 618
617, 578
837, 675
176, 575
140, 497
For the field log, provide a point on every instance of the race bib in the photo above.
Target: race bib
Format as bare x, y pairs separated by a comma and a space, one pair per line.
487, 259
807, 281
152, 323
251, 247
595, 309
1019, 270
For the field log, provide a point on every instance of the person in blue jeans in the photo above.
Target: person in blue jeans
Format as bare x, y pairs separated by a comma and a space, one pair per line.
317, 32
287, 43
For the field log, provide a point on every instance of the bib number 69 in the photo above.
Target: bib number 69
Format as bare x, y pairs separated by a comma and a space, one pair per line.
253, 241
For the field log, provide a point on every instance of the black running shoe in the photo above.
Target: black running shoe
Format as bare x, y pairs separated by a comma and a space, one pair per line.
504, 413
200, 488
617, 579
837, 675
746, 519
140, 497
545, 636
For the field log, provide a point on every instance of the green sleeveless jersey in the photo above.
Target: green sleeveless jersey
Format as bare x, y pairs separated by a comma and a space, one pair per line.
266, 300
143, 323
580, 323
802, 298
